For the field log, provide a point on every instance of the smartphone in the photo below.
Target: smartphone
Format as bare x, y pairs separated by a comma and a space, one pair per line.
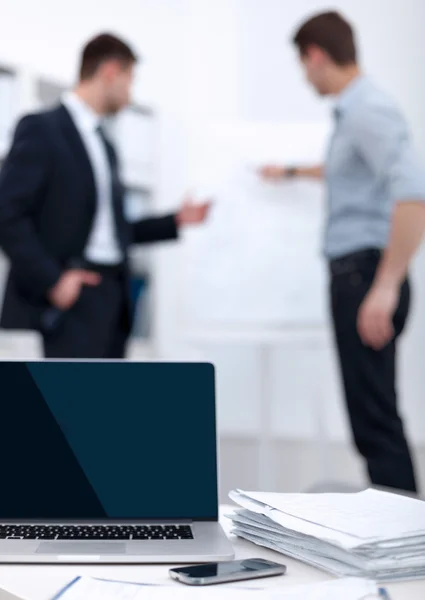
235, 570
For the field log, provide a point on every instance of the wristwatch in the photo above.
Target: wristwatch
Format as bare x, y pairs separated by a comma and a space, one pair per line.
291, 172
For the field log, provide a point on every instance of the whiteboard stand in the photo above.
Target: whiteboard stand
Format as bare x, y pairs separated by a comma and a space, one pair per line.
267, 340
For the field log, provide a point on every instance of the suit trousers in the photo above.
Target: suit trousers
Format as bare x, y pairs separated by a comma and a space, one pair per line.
96, 326
369, 376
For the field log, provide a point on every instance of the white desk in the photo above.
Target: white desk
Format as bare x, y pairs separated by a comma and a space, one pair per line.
40, 582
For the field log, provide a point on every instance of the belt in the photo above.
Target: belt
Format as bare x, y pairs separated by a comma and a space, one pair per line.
102, 269
350, 262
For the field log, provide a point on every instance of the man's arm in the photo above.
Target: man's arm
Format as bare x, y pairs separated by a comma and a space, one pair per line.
276, 173
22, 178
375, 319
159, 229
155, 229
408, 227
383, 141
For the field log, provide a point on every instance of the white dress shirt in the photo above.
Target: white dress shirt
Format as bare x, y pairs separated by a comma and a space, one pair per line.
102, 246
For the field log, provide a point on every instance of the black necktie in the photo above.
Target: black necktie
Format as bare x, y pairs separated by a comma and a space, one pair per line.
110, 152
117, 191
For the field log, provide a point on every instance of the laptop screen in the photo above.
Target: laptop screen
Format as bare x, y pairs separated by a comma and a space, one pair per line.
107, 441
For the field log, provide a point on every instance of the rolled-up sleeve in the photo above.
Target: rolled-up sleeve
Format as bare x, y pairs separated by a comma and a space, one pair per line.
383, 140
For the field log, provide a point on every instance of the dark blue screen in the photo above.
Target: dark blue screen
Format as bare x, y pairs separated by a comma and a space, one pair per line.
88, 440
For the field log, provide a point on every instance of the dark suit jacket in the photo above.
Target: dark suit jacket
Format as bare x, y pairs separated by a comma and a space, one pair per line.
47, 205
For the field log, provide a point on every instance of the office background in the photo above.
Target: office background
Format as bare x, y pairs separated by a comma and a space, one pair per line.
231, 59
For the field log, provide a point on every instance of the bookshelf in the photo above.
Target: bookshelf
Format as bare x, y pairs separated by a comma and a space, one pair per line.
48, 93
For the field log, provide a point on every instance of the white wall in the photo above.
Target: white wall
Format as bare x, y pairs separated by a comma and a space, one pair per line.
232, 59
48, 36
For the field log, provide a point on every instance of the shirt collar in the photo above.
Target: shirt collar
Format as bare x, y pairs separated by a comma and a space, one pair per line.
84, 116
351, 94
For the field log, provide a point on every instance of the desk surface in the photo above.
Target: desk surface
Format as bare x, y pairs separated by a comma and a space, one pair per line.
41, 582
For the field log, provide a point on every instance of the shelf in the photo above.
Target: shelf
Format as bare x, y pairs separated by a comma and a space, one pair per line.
137, 177
4, 147
140, 349
134, 131
49, 93
138, 203
8, 105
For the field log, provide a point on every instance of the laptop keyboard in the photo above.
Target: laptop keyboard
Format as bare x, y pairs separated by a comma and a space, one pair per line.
96, 532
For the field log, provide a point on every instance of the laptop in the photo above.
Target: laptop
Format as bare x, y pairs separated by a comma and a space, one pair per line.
109, 462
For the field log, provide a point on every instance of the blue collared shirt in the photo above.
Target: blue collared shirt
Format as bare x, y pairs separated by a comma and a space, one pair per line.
371, 165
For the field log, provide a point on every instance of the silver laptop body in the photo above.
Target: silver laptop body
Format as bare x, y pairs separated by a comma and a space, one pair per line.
109, 462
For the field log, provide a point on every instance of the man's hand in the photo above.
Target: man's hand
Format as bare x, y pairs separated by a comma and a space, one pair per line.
273, 173
375, 318
68, 289
193, 214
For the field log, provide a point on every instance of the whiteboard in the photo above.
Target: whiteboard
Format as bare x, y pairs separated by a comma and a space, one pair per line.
258, 259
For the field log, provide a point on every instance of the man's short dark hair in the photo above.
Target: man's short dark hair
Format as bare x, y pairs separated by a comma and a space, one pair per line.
330, 32
102, 48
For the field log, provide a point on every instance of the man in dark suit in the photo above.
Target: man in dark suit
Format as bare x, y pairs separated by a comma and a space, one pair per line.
62, 222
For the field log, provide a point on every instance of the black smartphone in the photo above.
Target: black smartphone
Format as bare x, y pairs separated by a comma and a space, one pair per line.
224, 572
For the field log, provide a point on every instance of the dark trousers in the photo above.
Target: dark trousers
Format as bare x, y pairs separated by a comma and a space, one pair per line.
369, 376
96, 326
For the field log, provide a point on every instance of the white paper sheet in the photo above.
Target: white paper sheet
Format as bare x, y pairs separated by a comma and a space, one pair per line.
304, 527
349, 589
368, 515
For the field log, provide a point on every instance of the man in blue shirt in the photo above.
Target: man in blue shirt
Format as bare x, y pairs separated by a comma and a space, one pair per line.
376, 220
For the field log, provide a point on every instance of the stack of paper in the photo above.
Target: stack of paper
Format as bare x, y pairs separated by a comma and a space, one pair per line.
371, 534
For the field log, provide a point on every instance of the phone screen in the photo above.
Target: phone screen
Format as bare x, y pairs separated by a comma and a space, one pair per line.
226, 569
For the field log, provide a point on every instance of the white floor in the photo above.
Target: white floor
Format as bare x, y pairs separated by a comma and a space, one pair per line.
298, 465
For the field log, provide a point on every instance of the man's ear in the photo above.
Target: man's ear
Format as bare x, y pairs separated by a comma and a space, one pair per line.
110, 69
316, 55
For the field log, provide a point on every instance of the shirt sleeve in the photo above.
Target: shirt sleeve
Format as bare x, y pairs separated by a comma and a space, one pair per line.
382, 138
